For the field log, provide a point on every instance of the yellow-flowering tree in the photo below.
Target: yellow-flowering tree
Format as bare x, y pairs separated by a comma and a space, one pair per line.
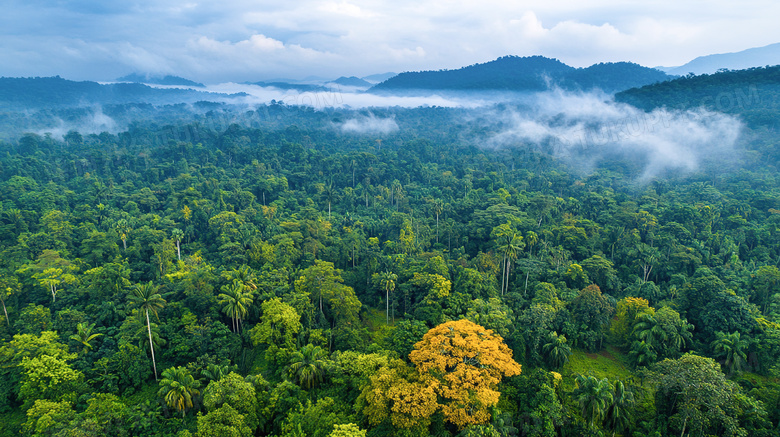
463, 362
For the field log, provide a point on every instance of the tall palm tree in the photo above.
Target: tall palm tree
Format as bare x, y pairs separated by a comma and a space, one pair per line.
235, 300
731, 347
177, 235
308, 366
618, 415
387, 281
594, 397
146, 298
438, 208
556, 350
85, 336
178, 388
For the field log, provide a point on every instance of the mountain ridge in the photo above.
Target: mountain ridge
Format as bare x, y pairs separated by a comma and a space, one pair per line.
753, 57
532, 73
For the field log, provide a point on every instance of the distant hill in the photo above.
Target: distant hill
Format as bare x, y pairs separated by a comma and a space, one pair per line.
534, 73
157, 80
754, 57
352, 81
55, 91
286, 86
753, 94
381, 77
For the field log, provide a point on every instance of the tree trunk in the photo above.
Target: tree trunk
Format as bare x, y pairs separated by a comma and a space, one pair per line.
178, 249
6, 313
437, 228
387, 303
151, 344
503, 274
526, 282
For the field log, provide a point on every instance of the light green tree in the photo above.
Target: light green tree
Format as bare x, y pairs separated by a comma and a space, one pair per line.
347, 430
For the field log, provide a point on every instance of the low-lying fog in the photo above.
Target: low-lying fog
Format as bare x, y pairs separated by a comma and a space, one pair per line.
583, 128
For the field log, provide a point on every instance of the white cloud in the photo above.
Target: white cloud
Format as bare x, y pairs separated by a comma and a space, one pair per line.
260, 39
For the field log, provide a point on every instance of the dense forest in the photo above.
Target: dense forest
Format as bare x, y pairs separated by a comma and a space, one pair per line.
273, 275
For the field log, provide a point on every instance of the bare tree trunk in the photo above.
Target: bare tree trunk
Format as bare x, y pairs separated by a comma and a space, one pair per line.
151, 344
178, 249
6, 313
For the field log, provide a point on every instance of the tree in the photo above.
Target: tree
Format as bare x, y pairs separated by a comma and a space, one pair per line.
766, 283
396, 392
347, 430
235, 300
8, 286
146, 298
463, 363
53, 277
223, 422
47, 418
594, 397
592, 311
85, 336
48, 377
233, 390
177, 235
438, 208
694, 397
618, 417
556, 350
178, 388
308, 366
279, 325
386, 280
730, 347
509, 243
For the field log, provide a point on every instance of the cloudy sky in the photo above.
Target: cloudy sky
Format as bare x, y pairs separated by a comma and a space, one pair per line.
246, 40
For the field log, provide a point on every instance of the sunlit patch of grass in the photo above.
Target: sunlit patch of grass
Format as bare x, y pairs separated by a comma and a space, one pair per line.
609, 363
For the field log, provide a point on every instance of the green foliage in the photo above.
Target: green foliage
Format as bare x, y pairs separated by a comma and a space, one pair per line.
223, 422
178, 389
157, 241
234, 391
693, 395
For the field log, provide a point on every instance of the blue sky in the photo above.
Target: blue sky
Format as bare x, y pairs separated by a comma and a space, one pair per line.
243, 40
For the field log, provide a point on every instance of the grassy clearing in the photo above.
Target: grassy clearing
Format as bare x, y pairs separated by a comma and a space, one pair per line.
609, 363
376, 322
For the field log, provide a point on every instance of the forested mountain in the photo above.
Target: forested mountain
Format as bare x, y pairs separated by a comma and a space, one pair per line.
159, 80
277, 270
56, 92
534, 73
352, 81
752, 94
